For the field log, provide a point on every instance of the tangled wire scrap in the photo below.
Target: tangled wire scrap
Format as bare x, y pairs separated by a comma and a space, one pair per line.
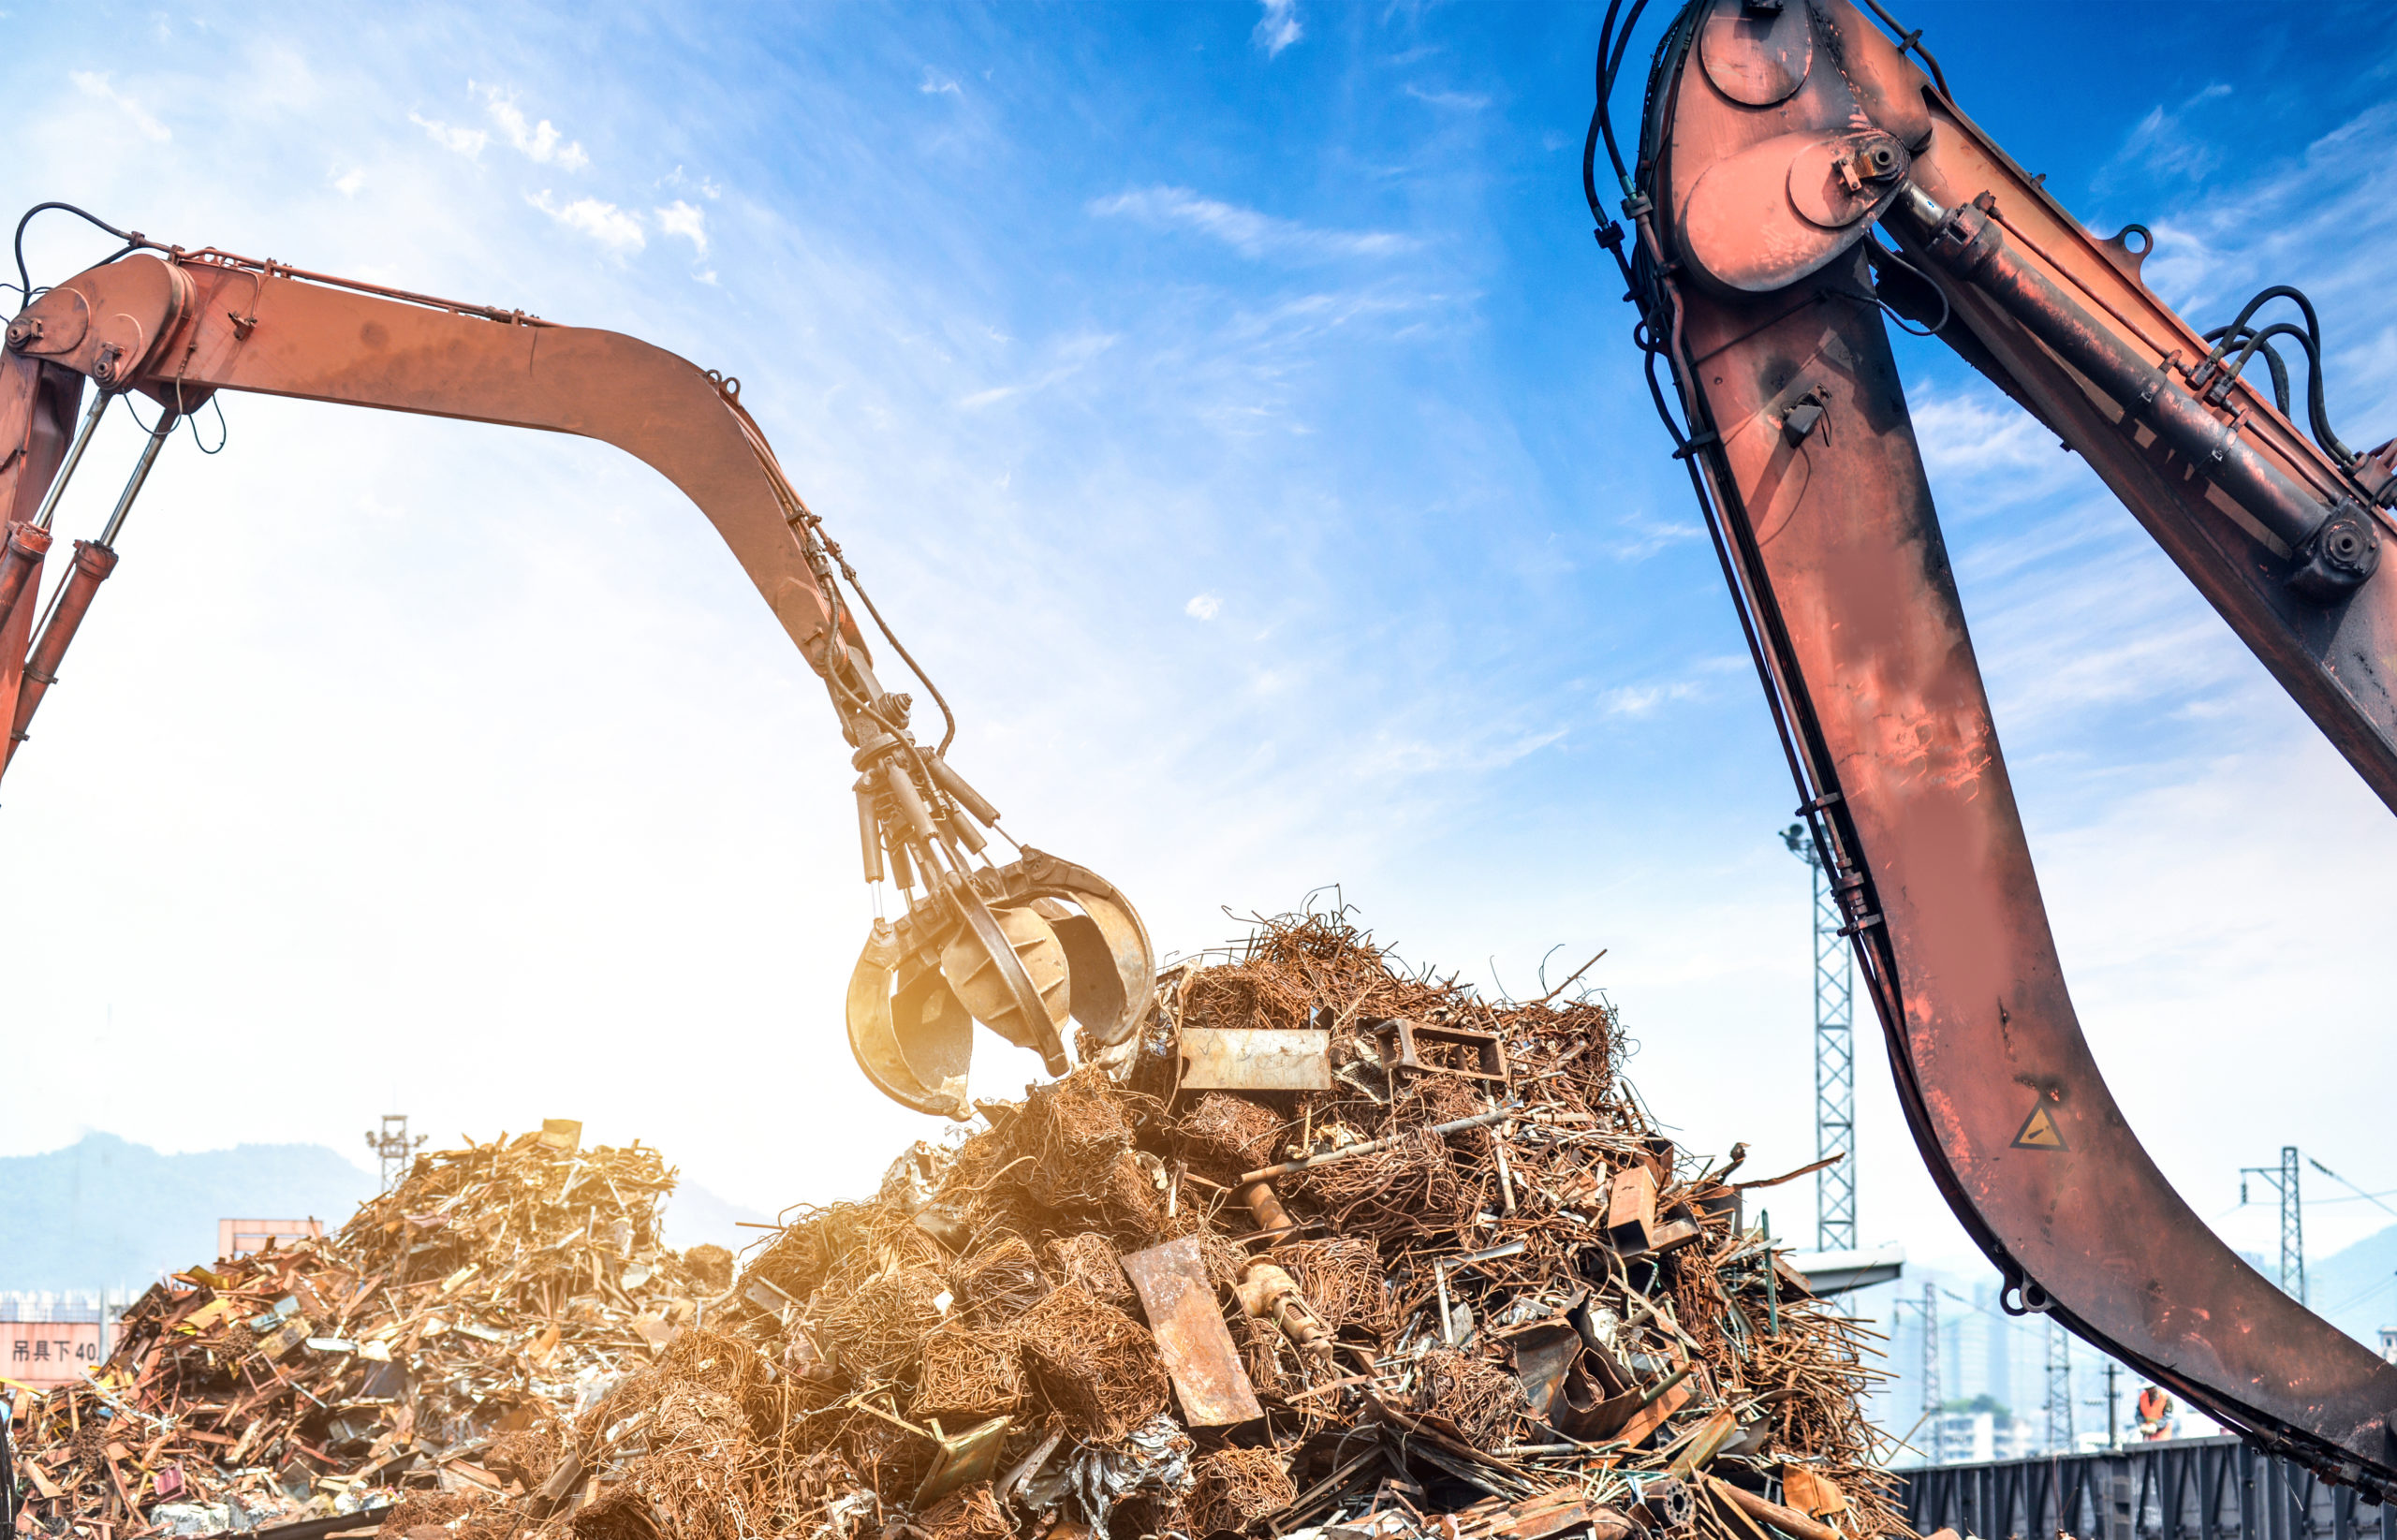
1484, 1277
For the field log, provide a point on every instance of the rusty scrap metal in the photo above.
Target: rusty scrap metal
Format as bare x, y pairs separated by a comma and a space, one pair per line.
963, 1356
1256, 1059
1212, 1388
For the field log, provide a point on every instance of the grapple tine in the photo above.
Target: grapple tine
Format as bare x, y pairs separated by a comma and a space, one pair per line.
923, 1065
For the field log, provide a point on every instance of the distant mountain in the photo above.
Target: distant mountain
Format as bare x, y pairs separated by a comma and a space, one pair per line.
105, 1212
2356, 1289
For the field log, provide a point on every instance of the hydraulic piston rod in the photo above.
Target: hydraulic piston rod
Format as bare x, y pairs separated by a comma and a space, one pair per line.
94, 560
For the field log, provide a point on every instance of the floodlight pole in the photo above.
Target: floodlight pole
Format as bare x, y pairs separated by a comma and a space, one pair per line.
1834, 1059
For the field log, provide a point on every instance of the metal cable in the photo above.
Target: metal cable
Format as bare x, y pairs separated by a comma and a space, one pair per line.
2317, 405
24, 279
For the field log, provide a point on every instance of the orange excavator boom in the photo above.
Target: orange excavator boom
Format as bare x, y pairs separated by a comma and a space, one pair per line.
1776, 137
1022, 947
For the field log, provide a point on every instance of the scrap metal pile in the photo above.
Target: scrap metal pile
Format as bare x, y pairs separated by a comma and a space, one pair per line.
449, 1325
1327, 1248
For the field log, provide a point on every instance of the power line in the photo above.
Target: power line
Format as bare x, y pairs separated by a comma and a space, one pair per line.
2373, 1197
2284, 1180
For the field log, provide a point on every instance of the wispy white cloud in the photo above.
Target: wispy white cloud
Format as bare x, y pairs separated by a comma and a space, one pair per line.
349, 182
1645, 534
96, 85
1068, 357
1245, 230
469, 143
1390, 755
685, 220
1645, 700
614, 227
537, 141
2163, 144
678, 180
1278, 28
1463, 101
1203, 607
934, 84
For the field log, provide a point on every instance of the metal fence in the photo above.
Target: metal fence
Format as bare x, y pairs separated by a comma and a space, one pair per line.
2208, 1489
72, 1305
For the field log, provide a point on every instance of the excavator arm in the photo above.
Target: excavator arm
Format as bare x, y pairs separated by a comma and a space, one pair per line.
1776, 137
1021, 946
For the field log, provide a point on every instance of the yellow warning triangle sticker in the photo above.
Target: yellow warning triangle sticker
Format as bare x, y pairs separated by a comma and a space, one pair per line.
2039, 1131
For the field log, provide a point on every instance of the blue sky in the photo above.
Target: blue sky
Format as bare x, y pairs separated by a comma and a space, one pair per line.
1230, 404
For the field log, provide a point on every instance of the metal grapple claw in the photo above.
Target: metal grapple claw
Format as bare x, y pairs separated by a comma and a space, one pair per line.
1022, 947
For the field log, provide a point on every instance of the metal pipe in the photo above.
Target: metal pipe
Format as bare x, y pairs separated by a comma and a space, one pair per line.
94, 561
908, 801
1786, 1519
1350, 1152
869, 830
74, 458
159, 437
957, 786
19, 564
1967, 243
1266, 1205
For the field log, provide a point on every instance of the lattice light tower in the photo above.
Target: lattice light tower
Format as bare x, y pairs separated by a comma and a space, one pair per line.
393, 1146
2284, 1180
1933, 1398
2059, 1389
1834, 1057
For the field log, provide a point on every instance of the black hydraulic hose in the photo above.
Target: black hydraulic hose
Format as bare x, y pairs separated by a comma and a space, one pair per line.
2318, 410
2271, 357
24, 279
1602, 120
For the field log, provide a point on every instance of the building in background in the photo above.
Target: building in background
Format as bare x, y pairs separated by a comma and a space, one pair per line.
50, 1339
240, 1236
1982, 1430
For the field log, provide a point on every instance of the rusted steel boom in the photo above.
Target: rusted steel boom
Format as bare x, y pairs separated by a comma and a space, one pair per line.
180, 331
1020, 947
1776, 135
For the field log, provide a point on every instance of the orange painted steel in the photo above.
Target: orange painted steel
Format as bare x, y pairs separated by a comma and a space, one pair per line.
178, 330
179, 326
1775, 136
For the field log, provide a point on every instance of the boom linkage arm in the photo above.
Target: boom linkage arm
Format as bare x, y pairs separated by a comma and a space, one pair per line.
1777, 134
180, 326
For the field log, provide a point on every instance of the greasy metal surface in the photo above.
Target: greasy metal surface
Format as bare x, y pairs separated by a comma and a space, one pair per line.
1969, 246
1188, 1325
1756, 57
2333, 661
1837, 556
92, 564
1009, 968
37, 403
1256, 1059
1741, 228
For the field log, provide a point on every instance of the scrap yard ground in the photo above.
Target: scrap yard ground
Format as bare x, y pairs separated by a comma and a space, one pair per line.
1463, 1287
